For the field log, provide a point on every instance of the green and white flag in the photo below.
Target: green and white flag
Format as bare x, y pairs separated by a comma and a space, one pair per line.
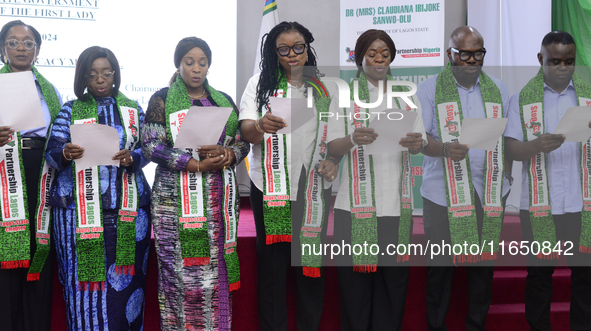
270, 19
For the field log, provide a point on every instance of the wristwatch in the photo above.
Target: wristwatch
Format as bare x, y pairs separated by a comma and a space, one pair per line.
423, 145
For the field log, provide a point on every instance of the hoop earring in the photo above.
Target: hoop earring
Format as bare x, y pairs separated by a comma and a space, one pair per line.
178, 71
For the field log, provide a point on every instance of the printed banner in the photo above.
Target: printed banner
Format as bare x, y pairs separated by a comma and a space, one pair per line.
415, 26
417, 29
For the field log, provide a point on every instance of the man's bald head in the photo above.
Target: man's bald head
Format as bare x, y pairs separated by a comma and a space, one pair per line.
466, 54
462, 33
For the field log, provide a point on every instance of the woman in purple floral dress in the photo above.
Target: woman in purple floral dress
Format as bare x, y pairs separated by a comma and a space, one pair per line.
195, 280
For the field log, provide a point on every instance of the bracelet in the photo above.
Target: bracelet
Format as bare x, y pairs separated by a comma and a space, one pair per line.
509, 178
64, 154
256, 125
445, 155
333, 161
423, 145
198, 164
352, 140
131, 158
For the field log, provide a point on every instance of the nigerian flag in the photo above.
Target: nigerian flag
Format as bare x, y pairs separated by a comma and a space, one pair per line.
270, 19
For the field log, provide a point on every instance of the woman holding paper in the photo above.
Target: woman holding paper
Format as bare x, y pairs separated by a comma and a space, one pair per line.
195, 202
101, 217
290, 203
26, 293
379, 212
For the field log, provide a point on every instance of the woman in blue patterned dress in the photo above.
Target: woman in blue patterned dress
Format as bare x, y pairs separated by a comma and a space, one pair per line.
194, 281
101, 293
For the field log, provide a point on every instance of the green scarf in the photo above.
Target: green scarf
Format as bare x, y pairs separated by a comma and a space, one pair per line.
90, 246
532, 120
314, 205
363, 209
19, 255
276, 191
277, 204
459, 189
193, 229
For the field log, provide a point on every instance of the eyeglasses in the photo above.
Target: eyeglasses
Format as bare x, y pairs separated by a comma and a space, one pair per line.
105, 75
27, 44
466, 55
297, 49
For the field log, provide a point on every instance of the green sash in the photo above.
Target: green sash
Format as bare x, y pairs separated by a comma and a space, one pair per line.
90, 246
16, 233
361, 175
276, 190
458, 177
314, 204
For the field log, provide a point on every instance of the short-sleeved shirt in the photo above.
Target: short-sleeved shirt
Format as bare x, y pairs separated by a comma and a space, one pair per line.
300, 143
387, 168
433, 187
563, 165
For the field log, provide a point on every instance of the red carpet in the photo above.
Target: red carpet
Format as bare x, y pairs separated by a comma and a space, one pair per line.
507, 311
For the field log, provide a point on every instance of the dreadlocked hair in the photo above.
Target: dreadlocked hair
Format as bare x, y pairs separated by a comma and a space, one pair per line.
272, 72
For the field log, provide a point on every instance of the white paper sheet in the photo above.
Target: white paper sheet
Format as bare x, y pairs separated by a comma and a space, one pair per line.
100, 143
391, 126
20, 107
293, 111
202, 126
482, 133
574, 125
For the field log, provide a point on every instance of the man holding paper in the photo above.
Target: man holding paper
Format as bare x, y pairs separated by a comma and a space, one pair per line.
463, 189
553, 208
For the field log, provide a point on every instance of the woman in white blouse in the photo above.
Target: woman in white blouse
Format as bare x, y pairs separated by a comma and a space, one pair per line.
373, 207
289, 196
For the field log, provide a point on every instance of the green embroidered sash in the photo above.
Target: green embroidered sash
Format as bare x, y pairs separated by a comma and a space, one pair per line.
362, 186
314, 204
458, 177
276, 190
16, 233
90, 246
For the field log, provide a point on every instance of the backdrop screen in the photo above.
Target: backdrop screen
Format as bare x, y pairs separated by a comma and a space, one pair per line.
142, 34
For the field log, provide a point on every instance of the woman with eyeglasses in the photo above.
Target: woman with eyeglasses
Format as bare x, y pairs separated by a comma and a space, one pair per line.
26, 271
290, 176
195, 202
374, 204
101, 223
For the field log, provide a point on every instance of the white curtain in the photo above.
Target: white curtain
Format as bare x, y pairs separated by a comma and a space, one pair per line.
513, 32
